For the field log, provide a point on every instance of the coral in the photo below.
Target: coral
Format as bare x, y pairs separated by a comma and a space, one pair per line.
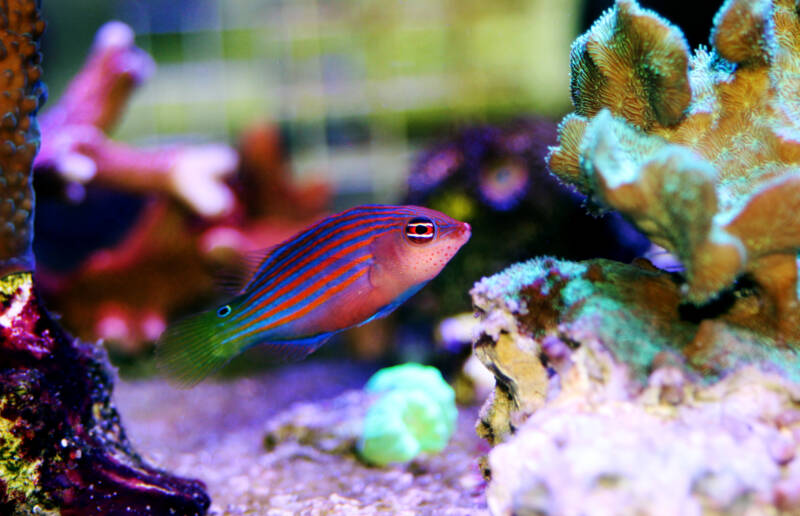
415, 413
22, 90
75, 145
126, 294
610, 399
411, 376
699, 152
535, 313
694, 18
628, 389
266, 185
62, 447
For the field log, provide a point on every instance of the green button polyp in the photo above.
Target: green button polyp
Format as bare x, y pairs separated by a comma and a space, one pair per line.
415, 413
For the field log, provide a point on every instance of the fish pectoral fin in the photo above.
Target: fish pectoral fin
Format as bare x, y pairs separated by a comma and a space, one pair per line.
386, 310
377, 274
295, 349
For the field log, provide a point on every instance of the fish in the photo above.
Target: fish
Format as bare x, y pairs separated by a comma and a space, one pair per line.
344, 271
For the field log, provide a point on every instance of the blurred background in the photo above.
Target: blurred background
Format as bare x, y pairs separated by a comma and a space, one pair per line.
355, 85
251, 119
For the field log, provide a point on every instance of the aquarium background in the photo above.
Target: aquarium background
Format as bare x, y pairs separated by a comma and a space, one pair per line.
450, 105
356, 86
359, 92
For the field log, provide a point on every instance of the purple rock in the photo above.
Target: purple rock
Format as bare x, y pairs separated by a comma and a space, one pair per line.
62, 444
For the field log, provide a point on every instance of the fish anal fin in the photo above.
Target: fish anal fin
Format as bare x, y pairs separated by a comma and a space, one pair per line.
292, 350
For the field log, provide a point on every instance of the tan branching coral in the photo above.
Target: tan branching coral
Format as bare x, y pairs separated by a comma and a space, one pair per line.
20, 92
700, 152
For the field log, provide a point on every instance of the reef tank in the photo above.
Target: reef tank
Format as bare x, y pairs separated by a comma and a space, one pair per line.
405, 257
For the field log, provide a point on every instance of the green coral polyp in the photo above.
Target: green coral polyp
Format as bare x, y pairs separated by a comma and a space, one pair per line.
414, 413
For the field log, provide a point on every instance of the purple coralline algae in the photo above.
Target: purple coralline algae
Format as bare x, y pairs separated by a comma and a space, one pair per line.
625, 388
62, 447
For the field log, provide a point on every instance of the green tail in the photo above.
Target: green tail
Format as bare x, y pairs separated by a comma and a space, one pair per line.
192, 348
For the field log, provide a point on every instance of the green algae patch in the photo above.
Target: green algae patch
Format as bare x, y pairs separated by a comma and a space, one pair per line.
19, 476
12, 282
415, 413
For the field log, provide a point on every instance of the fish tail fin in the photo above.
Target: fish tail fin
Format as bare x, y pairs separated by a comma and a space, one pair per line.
193, 348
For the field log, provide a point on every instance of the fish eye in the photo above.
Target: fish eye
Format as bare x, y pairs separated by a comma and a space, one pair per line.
420, 230
224, 311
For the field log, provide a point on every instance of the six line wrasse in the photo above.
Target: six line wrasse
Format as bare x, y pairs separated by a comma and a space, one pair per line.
341, 272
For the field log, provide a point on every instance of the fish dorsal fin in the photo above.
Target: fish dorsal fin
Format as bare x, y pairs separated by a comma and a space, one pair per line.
235, 278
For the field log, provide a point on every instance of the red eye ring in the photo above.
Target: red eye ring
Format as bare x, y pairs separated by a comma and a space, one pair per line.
420, 230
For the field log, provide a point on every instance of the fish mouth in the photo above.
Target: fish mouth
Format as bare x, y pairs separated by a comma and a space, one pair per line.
460, 231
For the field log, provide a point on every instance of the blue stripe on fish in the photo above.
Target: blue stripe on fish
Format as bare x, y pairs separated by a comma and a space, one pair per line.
304, 287
315, 236
313, 264
302, 301
286, 267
